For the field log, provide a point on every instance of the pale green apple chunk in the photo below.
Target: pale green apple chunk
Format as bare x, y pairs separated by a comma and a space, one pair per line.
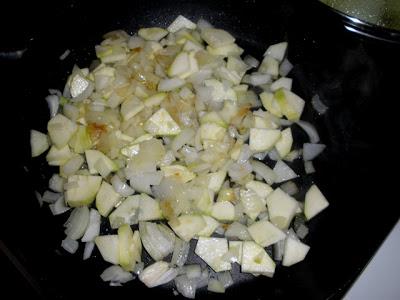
256, 260
83, 190
60, 130
212, 250
98, 162
315, 202
265, 233
294, 252
187, 226
108, 246
281, 208
126, 213
128, 247
39, 143
106, 199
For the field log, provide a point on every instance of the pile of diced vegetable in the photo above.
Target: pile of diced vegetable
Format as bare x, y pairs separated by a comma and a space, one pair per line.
165, 136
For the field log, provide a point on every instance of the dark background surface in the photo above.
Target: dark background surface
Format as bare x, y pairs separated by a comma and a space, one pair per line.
355, 76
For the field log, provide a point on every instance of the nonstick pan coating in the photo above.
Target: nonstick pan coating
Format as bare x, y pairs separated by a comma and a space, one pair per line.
352, 75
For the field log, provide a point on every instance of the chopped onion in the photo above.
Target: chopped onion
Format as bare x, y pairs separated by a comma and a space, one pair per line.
203, 24
261, 155
225, 278
215, 286
77, 223
302, 231
285, 67
93, 229
238, 231
39, 198
257, 79
283, 172
279, 247
274, 155
264, 171
116, 274
203, 281
65, 54
53, 102
193, 271
311, 151
157, 274
142, 182
309, 167
245, 154
156, 242
55, 92
59, 207
121, 187
70, 245
185, 286
166, 85
72, 165
87, 252
56, 183
185, 137
139, 267
289, 188
317, 104
50, 197
220, 230
136, 42
310, 130
237, 171
251, 61
181, 252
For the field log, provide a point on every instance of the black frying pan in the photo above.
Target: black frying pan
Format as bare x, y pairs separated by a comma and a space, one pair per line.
352, 74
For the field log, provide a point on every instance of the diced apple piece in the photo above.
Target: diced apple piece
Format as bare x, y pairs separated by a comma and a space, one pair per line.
281, 208
212, 131
126, 213
277, 51
106, 199
212, 250
269, 65
131, 107
252, 203
265, 233
149, 208
315, 202
270, 104
60, 130
39, 143
290, 104
256, 260
130, 247
236, 248
98, 162
282, 82
161, 123
157, 274
211, 225
284, 144
227, 50
85, 190
294, 252
80, 141
152, 33
181, 22
262, 139
216, 180
223, 211
213, 117
108, 246
58, 157
262, 189
180, 65
155, 100
187, 226
217, 37
178, 172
